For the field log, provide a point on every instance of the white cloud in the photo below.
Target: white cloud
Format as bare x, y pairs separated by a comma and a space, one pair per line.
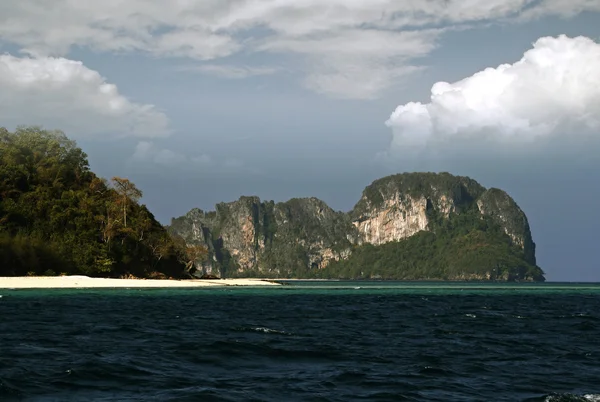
198, 44
357, 64
374, 40
229, 71
564, 8
57, 92
550, 97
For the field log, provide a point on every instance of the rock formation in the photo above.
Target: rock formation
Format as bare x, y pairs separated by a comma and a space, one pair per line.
302, 237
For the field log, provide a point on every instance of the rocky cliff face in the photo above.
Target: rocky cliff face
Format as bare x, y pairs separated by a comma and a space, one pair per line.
293, 238
498, 205
396, 207
395, 219
248, 236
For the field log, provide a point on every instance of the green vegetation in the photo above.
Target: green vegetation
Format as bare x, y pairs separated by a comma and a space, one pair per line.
294, 233
58, 217
463, 247
462, 190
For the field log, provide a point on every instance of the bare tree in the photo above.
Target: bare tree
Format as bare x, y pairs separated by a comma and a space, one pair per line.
128, 193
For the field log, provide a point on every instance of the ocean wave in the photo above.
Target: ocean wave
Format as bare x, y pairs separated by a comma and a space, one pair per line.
264, 330
572, 398
161, 346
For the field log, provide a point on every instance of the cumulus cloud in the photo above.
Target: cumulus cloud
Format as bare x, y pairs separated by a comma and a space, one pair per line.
330, 35
549, 98
57, 92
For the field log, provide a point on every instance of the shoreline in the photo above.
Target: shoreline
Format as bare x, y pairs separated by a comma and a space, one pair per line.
78, 281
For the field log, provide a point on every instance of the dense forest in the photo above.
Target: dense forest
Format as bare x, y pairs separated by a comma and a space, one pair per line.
58, 217
463, 247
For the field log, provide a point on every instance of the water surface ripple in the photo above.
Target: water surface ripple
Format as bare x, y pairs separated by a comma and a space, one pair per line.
305, 342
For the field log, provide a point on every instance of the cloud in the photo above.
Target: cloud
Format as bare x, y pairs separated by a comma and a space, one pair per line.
57, 92
229, 71
201, 160
354, 63
351, 49
564, 8
200, 44
549, 101
233, 163
146, 151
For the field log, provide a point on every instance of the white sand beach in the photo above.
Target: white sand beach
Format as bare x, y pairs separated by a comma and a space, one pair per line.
49, 282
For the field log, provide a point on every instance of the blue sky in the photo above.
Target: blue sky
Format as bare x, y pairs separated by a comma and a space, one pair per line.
202, 102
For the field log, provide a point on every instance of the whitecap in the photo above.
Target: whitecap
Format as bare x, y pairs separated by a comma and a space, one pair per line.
269, 331
572, 397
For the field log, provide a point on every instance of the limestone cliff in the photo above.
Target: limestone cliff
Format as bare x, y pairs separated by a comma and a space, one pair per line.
396, 207
498, 205
484, 233
250, 237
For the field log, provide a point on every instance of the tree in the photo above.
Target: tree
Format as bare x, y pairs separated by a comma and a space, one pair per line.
189, 255
57, 214
195, 254
127, 192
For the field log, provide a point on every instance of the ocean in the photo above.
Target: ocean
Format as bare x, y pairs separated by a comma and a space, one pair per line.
307, 341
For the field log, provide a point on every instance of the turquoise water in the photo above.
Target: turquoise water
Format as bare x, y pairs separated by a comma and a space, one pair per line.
305, 341
337, 287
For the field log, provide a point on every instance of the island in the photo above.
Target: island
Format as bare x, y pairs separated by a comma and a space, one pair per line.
410, 226
58, 218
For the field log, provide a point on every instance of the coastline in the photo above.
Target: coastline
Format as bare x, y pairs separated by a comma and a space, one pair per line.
77, 281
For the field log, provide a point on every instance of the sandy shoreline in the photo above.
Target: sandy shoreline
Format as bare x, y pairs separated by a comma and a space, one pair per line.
51, 282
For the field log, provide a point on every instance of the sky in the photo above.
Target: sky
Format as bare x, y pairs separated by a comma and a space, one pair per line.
200, 102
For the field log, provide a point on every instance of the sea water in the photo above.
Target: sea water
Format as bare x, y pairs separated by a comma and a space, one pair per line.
306, 341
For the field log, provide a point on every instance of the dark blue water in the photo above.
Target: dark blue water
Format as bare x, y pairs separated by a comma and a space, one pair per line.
305, 342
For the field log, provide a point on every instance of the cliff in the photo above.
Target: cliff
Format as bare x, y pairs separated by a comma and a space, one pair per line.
249, 237
397, 207
405, 226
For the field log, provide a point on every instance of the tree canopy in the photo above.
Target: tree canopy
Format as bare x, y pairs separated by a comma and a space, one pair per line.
57, 216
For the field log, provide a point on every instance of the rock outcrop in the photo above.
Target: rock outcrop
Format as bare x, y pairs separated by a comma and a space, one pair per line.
249, 237
396, 207
498, 205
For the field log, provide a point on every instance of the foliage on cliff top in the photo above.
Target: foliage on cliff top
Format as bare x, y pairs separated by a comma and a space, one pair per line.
56, 216
463, 190
311, 218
